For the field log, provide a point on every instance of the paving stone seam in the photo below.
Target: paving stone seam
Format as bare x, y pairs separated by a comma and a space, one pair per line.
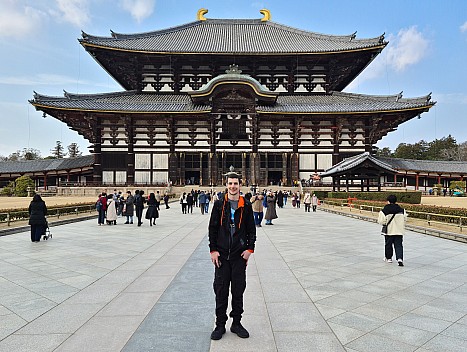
298, 281
155, 263
130, 258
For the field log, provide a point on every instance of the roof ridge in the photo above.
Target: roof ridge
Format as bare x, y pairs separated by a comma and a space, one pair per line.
337, 38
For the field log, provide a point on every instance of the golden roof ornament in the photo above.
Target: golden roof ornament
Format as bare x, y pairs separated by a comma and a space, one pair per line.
200, 14
266, 13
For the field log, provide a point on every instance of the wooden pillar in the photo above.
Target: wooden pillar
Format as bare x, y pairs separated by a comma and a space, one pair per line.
295, 165
182, 169
284, 169
200, 168
45, 181
244, 168
416, 181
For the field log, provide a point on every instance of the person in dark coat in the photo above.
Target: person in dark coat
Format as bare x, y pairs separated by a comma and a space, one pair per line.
37, 212
166, 201
152, 213
271, 213
139, 205
189, 202
129, 208
280, 199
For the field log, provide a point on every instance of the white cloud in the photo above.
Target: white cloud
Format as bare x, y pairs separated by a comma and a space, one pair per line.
17, 20
75, 12
463, 28
139, 9
410, 47
407, 48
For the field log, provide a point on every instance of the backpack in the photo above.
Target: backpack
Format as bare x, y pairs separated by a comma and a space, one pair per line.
265, 202
98, 205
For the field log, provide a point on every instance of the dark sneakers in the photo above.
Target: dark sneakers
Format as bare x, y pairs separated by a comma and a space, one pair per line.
238, 329
218, 332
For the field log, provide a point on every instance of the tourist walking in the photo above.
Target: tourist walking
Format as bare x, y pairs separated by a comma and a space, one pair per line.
101, 207
201, 201
37, 218
307, 202
152, 213
206, 202
232, 236
189, 203
297, 198
314, 202
393, 218
158, 200
166, 201
257, 205
285, 196
183, 202
271, 213
129, 207
139, 205
280, 199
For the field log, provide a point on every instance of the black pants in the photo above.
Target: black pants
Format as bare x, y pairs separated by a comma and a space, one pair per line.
36, 232
231, 274
139, 214
395, 240
314, 207
189, 208
307, 207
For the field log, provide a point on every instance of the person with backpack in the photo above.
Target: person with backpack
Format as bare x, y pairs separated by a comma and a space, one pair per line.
393, 218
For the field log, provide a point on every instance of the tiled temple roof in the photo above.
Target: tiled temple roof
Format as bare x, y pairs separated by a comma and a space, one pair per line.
432, 166
221, 36
356, 161
14, 167
134, 102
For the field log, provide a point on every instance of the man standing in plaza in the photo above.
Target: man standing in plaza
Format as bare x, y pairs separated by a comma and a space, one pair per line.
232, 236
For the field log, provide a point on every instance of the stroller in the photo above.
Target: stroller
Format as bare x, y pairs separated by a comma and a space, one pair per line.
47, 233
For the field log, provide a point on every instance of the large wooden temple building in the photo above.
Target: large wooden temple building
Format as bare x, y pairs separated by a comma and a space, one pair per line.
199, 97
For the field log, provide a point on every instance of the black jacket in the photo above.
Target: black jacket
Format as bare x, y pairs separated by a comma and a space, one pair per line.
37, 213
220, 238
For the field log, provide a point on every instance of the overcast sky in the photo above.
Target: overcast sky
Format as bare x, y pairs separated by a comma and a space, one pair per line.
427, 52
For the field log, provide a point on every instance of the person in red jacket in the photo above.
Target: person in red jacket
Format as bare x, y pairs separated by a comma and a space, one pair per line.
232, 236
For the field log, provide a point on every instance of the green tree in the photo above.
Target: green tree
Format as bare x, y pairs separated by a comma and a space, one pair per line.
22, 184
73, 150
384, 152
412, 151
58, 151
436, 148
9, 189
30, 154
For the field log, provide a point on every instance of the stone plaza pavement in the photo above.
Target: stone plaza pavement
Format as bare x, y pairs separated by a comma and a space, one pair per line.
317, 282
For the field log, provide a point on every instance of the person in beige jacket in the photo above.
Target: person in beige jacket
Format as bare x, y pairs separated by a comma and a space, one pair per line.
394, 216
257, 205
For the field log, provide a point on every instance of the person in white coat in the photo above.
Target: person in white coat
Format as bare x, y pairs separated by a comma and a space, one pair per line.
111, 212
394, 217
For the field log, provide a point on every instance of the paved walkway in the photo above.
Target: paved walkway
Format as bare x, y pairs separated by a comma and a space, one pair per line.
317, 282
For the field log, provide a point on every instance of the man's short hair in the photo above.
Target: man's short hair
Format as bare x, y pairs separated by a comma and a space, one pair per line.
392, 199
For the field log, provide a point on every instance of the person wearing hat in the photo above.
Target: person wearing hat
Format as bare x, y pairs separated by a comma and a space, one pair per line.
232, 236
